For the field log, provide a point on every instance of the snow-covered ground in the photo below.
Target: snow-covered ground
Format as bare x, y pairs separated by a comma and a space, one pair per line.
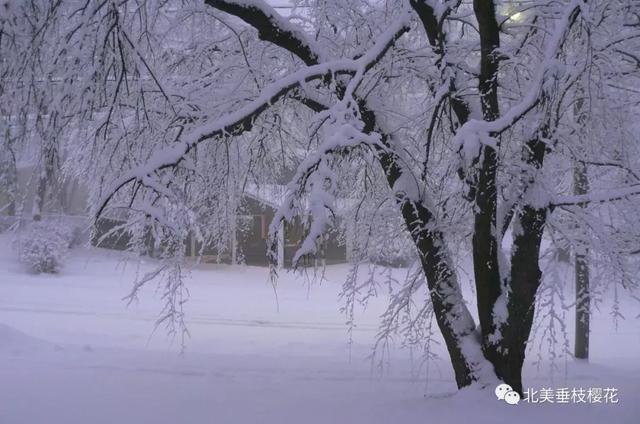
71, 352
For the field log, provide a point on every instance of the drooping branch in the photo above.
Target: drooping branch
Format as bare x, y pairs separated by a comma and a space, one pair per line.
452, 315
232, 124
242, 120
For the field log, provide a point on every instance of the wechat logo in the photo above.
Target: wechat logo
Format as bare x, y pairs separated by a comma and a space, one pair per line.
506, 393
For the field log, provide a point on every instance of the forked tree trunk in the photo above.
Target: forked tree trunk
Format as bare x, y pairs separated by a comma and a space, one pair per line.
468, 348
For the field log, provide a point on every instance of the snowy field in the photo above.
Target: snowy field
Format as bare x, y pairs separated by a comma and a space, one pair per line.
73, 352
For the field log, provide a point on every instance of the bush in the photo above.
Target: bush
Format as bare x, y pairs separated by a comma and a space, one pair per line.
42, 248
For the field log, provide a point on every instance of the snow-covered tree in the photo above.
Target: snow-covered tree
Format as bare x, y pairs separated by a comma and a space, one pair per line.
460, 117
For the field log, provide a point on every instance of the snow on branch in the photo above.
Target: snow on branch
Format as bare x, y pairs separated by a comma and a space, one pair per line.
315, 176
601, 196
272, 27
235, 123
475, 133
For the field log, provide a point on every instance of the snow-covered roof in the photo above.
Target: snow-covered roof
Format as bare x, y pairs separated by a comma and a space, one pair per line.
272, 195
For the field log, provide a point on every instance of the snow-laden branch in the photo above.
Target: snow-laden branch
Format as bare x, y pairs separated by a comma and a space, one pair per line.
242, 120
601, 196
273, 27
315, 175
475, 133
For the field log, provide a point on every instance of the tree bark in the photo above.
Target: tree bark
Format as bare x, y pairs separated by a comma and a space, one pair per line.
525, 280
452, 316
486, 237
583, 296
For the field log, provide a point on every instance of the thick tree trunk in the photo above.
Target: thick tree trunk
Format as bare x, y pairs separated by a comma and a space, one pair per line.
486, 232
503, 344
525, 280
452, 316
583, 297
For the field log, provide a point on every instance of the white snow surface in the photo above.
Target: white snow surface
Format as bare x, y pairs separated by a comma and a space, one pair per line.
72, 352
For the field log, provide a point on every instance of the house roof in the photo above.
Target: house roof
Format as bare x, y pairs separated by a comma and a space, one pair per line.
274, 195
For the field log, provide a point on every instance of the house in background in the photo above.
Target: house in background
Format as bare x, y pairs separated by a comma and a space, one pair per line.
67, 203
259, 208
250, 244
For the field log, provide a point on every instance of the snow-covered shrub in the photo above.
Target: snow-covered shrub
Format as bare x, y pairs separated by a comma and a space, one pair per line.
42, 248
